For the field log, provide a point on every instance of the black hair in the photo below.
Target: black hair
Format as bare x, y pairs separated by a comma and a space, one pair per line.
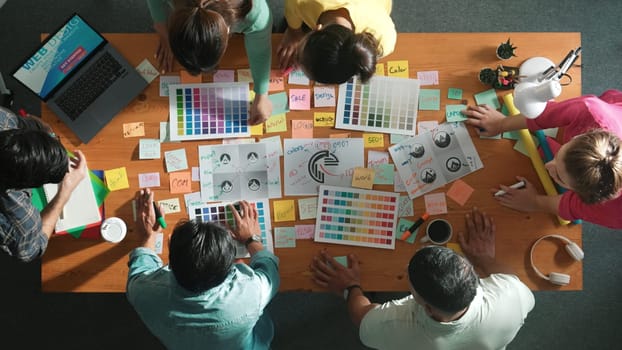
444, 279
334, 54
200, 255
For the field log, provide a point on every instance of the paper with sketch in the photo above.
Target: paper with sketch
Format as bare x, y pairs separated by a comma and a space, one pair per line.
310, 163
243, 171
432, 159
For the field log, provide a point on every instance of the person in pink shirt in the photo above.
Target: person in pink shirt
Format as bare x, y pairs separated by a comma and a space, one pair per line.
588, 164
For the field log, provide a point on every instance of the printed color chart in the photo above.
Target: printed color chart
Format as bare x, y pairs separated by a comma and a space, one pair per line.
220, 213
356, 217
384, 104
208, 111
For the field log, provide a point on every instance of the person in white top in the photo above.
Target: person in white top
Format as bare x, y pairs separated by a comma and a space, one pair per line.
450, 307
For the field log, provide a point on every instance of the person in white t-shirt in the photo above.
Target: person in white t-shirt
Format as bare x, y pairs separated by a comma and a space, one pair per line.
450, 307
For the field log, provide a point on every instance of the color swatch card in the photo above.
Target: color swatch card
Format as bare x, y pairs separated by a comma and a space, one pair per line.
221, 213
384, 104
208, 111
356, 217
242, 171
310, 163
432, 159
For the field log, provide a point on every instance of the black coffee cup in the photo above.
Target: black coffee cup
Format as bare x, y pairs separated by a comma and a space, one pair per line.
439, 231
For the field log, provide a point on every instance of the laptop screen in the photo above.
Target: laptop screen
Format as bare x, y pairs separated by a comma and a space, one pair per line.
58, 56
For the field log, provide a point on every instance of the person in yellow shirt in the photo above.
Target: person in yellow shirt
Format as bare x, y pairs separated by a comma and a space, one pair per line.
345, 38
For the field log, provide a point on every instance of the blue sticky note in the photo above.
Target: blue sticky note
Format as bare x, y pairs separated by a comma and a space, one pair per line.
279, 103
385, 174
454, 94
488, 97
453, 113
284, 237
430, 100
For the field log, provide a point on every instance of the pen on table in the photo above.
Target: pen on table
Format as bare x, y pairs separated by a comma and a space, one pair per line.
159, 215
519, 184
414, 227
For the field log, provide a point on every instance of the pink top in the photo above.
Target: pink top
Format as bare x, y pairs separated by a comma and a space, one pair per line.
577, 116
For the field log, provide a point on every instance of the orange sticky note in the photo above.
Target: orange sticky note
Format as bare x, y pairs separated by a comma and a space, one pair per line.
343, 135
435, 203
277, 82
276, 123
116, 179
373, 140
187, 78
181, 182
460, 192
398, 69
363, 178
302, 129
380, 69
134, 129
324, 119
284, 210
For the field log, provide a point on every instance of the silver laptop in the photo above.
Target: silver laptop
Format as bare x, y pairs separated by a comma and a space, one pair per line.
81, 77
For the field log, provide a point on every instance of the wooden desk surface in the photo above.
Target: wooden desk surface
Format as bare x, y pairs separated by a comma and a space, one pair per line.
82, 265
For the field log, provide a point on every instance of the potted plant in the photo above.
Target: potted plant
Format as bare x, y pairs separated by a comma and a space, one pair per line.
506, 50
487, 76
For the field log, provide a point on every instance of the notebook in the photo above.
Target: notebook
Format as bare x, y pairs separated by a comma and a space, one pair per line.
81, 77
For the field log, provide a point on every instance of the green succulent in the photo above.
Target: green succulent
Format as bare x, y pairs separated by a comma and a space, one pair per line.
506, 50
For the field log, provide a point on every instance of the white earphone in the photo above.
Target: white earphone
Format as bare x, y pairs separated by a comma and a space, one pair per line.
573, 250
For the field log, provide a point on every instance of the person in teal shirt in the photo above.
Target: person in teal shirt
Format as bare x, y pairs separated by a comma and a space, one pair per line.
196, 33
202, 299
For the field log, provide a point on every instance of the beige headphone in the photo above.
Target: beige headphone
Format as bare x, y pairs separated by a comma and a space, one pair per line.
557, 278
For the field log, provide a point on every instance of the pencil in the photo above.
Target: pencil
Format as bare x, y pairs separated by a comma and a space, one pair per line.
414, 227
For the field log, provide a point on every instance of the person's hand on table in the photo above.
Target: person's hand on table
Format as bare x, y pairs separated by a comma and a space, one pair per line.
163, 54
288, 47
77, 170
246, 224
146, 224
479, 240
330, 274
521, 199
260, 110
486, 120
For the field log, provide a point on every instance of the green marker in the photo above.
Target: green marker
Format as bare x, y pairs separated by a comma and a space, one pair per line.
159, 215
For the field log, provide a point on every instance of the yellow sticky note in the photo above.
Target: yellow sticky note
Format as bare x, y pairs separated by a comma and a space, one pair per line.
187, 78
134, 129
455, 247
398, 69
380, 69
363, 178
302, 129
373, 140
324, 119
257, 129
116, 179
284, 210
276, 123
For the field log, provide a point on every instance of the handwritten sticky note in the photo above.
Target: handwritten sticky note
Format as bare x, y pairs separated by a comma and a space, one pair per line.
363, 178
454, 94
187, 78
460, 192
429, 99
224, 76
339, 135
170, 205
276, 81
397, 138
398, 184
149, 149
435, 203
159, 242
302, 129
165, 81
192, 199
324, 119
276, 123
453, 113
324, 96
398, 69
276, 140
380, 69
403, 225
405, 207
377, 157
299, 99
149, 180
342, 259
244, 75
176, 160
116, 179
373, 140
305, 231
384, 174
180, 182
428, 77
426, 126
284, 237
147, 70
488, 97
307, 208
134, 129
297, 77
279, 103
257, 130
284, 210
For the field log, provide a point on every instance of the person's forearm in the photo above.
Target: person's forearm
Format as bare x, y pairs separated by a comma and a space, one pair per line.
52, 211
358, 305
150, 241
254, 247
548, 204
515, 122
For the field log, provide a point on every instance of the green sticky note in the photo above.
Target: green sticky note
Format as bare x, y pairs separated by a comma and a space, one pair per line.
385, 174
284, 237
403, 225
488, 97
430, 100
454, 94
397, 138
453, 113
279, 103
343, 260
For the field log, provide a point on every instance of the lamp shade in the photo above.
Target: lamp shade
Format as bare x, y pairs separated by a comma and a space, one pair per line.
531, 98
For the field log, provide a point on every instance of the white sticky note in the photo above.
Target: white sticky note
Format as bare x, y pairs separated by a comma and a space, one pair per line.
170, 206
377, 157
159, 242
165, 81
428, 77
307, 208
195, 173
147, 70
149, 149
193, 198
324, 96
275, 140
149, 180
297, 77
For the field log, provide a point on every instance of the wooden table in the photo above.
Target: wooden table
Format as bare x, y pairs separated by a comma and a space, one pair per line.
81, 265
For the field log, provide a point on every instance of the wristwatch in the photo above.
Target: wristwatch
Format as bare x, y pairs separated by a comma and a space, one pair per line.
251, 239
346, 292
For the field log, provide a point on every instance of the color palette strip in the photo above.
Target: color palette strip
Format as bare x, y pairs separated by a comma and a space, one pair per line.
221, 213
355, 216
208, 111
384, 104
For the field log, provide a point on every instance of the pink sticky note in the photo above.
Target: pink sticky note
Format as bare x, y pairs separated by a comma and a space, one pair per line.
435, 203
299, 99
181, 182
224, 76
149, 180
276, 81
305, 231
302, 129
460, 192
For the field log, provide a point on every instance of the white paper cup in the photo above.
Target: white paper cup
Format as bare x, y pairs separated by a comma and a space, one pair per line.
439, 231
113, 230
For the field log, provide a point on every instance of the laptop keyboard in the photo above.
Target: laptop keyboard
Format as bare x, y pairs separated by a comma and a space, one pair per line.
93, 82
